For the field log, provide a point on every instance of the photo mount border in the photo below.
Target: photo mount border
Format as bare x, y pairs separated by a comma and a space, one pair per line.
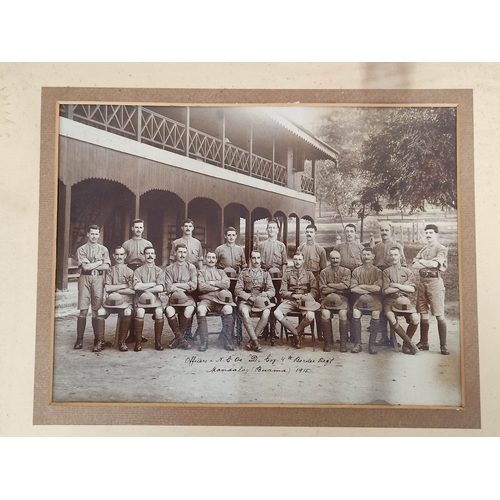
47, 413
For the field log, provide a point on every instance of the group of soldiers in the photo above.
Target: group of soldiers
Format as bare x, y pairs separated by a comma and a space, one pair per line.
355, 280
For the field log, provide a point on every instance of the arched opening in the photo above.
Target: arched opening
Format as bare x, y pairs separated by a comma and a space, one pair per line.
258, 220
207, 217
238, 216
163, 213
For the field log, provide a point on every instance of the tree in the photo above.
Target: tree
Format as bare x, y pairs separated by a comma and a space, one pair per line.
412, 159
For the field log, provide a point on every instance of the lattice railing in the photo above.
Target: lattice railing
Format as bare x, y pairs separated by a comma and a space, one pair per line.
237, 159
279, 174
117, 118
307, 184
162, 131
205, 146
262, 168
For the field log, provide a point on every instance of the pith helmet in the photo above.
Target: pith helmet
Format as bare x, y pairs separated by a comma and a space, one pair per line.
332, 301
307, 303
224, 297
365, 302
262, 303
230, 272
116, 300
147, 299
403, 305
181, 299
275, 272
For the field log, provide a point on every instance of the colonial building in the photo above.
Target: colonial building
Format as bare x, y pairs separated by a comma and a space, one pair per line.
220, 166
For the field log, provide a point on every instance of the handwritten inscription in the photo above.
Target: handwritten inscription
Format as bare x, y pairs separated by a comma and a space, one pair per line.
259, 363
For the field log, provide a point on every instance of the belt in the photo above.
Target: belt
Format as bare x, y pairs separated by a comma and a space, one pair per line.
429, 273
93, 272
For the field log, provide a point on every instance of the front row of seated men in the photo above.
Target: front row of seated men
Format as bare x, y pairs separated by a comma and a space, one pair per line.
132, 294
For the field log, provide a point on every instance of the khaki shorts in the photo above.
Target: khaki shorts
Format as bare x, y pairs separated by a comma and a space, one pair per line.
288, 306
211, 305
430, 292
90, 292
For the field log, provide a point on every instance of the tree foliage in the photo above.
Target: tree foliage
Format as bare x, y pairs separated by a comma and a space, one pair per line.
402, 156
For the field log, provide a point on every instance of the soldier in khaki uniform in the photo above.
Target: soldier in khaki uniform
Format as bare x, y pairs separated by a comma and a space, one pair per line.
254, 282
194, 249
229, 254
314, 261
93, 259
430, 262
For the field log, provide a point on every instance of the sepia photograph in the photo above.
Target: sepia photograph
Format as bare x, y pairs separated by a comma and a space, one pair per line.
248, 255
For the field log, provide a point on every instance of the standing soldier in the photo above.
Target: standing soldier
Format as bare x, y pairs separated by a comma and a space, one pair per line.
299, 289
211, 281
335, 282
366, 285
148, 279
350, 251
119, 285
180, 282
398, 283
314, 261
383, 261
431, 261
93, 259
229, 254
254, 282
193, 246
134, 248
273, 251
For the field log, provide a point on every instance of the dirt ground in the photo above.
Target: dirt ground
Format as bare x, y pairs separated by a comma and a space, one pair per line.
279, 374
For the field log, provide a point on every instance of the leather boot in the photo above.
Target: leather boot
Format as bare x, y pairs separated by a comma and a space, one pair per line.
80, 330
356, 333
184, 326
227, 331
125, 322
203, 332
131, 337
261, 324
384, 335
442, 329
293, 331
254, 344
326, 326
374, 330
158, 331
138, 328
319, 325
98, 326
410, 331
423, 345
399, 330
343, 327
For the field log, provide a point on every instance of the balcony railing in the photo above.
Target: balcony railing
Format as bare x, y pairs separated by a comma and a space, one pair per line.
307, 184
145, 125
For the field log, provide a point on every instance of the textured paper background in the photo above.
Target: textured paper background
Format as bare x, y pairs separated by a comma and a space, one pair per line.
20, 86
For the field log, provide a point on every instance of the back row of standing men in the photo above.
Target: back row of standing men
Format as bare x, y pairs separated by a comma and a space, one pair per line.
356, 281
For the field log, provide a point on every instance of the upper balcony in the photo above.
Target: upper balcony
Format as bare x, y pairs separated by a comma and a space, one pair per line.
248, 141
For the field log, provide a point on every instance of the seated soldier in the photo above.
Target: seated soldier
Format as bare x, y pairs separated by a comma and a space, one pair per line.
211, 281
148, 278
398, 283
180, 281
297, 287
366, 284
119, 284
335, 282
254, 282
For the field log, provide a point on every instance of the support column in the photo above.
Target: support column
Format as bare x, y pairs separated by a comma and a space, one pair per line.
250, 158
297, 232
63, 231
139, 123
223, 159
137, 204
289, 168
188, 139
313, 175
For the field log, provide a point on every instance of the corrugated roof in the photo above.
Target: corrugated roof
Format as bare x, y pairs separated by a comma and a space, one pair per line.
301, 132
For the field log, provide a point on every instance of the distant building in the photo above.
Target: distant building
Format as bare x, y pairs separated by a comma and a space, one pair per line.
220, 166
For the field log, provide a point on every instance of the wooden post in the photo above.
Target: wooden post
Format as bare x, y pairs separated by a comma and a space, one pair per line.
139, 123
188, 119
223, 152
63, 229
274, 157
250, 158
297, 232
